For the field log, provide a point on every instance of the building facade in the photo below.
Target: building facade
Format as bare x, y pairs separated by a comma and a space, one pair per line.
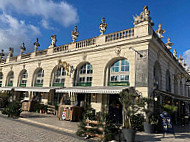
96, 70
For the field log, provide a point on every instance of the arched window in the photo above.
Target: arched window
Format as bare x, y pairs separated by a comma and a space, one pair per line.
39, 78
23, 78
1, 78
119, 73
59, 77
85, 75
157, 76
168, 81
10, 78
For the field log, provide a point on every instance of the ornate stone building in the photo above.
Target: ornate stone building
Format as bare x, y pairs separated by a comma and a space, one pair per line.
96, 70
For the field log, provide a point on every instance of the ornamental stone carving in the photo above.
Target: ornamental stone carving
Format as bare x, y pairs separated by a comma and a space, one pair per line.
36, 45
144, 16
22, 48
2, 54
53, 41
118, 51
169, 44
103, 26
75, 34
11, 50
160, 31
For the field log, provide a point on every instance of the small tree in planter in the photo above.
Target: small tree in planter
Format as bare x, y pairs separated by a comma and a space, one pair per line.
148, 127
132, 103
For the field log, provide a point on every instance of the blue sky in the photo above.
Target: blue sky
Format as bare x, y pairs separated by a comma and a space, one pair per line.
24, 20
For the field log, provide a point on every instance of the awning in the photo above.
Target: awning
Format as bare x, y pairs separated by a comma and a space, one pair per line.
178, 97
34, 89
98, 90
6, 88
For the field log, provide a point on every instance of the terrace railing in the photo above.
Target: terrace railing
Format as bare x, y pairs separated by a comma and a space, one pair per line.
120, 35
41, 52
85, 43
61, 48
13, 58
24, 56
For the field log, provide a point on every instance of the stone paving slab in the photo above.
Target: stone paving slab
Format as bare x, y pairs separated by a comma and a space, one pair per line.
51, 121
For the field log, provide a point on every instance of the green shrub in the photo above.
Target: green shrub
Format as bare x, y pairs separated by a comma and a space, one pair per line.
4, 99
13, 109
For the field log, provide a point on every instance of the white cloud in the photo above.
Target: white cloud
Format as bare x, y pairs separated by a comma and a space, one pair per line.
60, 12
13, 32
46, 24
186, 56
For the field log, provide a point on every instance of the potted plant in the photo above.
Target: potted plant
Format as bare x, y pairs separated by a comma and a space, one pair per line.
131, 102
148, 127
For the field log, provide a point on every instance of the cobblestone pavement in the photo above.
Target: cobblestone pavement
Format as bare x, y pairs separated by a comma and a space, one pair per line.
35, 127
14, 130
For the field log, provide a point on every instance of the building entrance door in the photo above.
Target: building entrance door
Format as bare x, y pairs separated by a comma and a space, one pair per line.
115, 109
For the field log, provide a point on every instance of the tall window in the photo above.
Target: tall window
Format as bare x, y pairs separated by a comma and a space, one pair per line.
168, 81
1, 79
181, 88
23, 79
119, 73
157, 76
59, 77
175, 85
10, 79
85, 75
39, 78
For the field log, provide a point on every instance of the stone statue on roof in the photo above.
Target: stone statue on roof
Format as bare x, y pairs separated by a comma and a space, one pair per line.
53, 41
2, 54
180, 59
103, 26
22, 48
144, 16
11, 50
175, 53
160, 31
36, 45
75, 34
169, 44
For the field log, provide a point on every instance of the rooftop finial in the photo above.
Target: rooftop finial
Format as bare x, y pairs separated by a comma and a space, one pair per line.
75, 34
36, 45
169, 44
22, 48
103, 26
160, 31
144, 16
